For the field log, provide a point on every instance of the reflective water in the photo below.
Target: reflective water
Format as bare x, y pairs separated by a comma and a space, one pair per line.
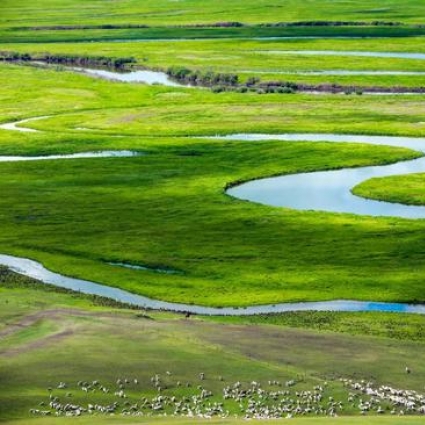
147, 77
99, 154
331, 190
416, 143
15, 126
37, 271
153, 77
397, 55
145, 268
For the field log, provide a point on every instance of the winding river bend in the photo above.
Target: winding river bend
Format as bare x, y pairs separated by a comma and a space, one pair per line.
328, 191
99, 154
331, 190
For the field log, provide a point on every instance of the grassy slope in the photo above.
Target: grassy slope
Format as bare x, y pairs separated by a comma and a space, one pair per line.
231, 252
64, 337
17, 13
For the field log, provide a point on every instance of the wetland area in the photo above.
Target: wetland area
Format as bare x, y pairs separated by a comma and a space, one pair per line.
212, 212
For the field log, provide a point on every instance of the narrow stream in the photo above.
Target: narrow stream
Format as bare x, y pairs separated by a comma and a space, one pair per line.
394, 55
16, 125
36, 270
98, 154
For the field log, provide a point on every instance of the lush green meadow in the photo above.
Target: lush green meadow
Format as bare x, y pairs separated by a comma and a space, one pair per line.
19, 13
75, 101
167, 208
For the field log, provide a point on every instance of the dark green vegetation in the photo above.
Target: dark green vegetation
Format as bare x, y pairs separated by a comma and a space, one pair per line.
409, 189
58, 337
80, 35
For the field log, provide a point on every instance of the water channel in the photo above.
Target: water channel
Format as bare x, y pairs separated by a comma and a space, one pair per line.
36, 270
394, 55
331, 190
140, 76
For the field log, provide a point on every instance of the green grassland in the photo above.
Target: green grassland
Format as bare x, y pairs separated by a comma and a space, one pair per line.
50, 336
388, 325
23, 22
168, 208
77, 101
408, 189
18, 13
250, 58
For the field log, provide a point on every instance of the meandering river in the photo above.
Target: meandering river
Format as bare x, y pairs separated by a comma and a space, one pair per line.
300, 191
99, 154
327, 191
37, 271
331, 190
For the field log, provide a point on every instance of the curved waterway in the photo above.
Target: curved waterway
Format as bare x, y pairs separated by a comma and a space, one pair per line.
394, 55
330, 191
36, 270
16, 125
98, 154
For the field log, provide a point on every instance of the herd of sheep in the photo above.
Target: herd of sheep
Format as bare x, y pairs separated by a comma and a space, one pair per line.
274, 399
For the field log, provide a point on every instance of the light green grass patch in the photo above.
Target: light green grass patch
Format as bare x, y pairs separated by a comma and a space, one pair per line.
408, 189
